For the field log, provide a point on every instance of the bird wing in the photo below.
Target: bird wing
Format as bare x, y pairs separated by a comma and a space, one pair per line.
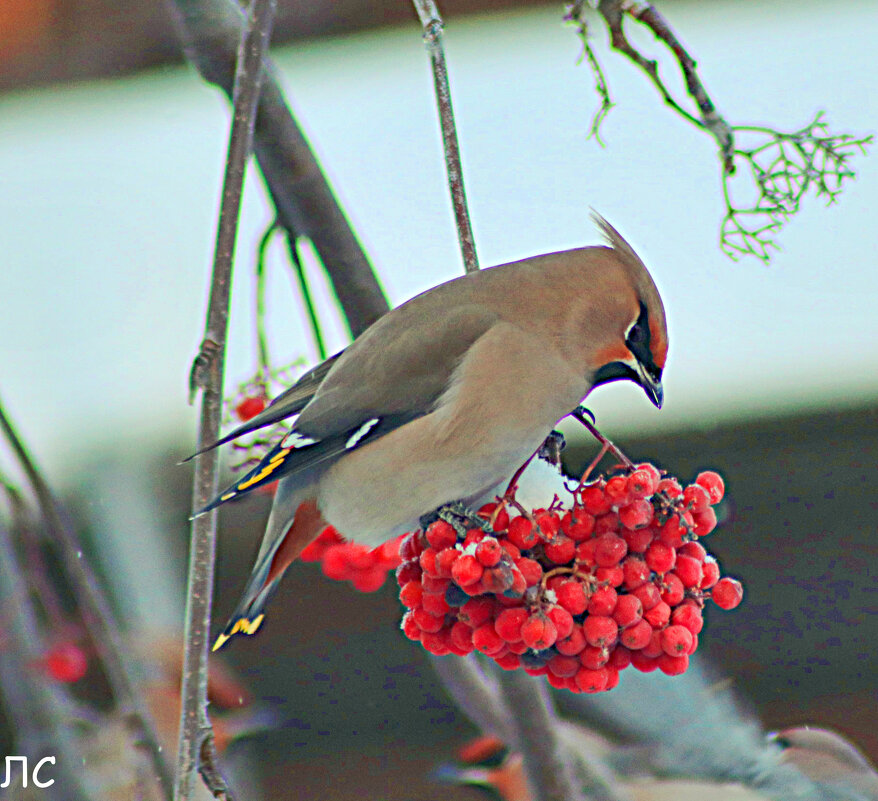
291, 401
378, 384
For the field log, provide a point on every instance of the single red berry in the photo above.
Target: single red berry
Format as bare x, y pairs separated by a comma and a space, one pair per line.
637, 636
563, 621
548, 523
628, 611
607, 524
585, 552
476, 611
592, 681
713, 483
612, 576
248, 408
727, 593
648, 594
594, 657
462, 636
696, 498
688, 615
445, 561
643, 663
573, 644
538, 632
408, 548
435, 604
578, 524
670, 487
508, 623
516, 647
637, 514
658, 616
441, 535
521, 533
66, 662
689, 571
434, 643
694, 549
531, 570
654, 647
410, 594
705, 522
408, 571
564, 666
660, 557
672, 532
602, 601
620, 658
434, 583
486, 639
673, 665
572, 596
560, 550
509, 661
600, 631
617, 491
467, 570
519, 584
473, 537
512, 551
636, 572
498, 579
638, 540
609, 550
426, 621
676, 640
672, 589
427, 560
710, 573
642, 484
595, 500
488, 552
409, 627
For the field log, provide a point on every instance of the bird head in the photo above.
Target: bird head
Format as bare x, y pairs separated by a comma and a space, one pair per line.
634, 334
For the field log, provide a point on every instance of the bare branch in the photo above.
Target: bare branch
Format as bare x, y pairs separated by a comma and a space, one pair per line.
432, 23
195, 740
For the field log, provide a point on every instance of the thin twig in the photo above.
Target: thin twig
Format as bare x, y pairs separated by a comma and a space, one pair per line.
582, 416
207, 372
432, 23
92, 603
306, 206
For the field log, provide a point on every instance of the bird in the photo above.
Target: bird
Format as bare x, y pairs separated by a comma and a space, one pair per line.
443, 397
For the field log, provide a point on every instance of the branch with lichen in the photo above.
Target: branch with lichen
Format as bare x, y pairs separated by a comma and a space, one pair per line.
783, 167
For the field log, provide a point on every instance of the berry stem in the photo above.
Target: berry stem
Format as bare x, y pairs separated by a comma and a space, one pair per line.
580, 415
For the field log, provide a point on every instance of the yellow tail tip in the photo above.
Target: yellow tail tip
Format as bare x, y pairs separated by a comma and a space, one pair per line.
220, 642
242, 626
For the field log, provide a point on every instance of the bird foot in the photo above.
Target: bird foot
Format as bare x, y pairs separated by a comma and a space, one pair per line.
458, 515
550, 450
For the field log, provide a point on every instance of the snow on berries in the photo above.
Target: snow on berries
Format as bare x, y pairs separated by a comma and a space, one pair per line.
617, 577
365, 568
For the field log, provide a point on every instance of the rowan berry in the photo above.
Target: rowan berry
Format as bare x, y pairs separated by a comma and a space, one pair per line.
595, 500
673, 665
658, 616
548, 523
638, 540
508, 623
710, 573
560, 550
676, 640
476, 611
696, 498
441, 535
445, 560
498, 579
409, 627
585, 552
617, 491
689, 571
637, 514
519, 585
705, 522
434, 643
466, 571
602, 601
648, 595
660, 557
727, 593
563, 621
578, 524
713, 483
408, 571
620, 658
248, 408
609, 550
600, 631
672, 532
410, 594
531, 570
462, 635
435, 604
521, 533
628, 611
642, 483
654, 647
572, 596
643, 663
694, 549
427, 560
672, 589
607, 524
564, 666
592, 681
434, 583
573, 644
688, 615
508, 661
66, 662
636, 572
594, 657
512, 551
636, 636
486, 639
670, 487
538, 632
611, 576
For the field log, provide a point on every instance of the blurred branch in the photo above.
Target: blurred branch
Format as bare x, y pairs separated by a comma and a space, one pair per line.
96, 613
196, 744
432, 23
211, 31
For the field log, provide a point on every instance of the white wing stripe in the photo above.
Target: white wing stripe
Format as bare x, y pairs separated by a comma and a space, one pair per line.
361, 432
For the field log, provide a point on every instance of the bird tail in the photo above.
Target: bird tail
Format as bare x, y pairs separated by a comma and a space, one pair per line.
250, 612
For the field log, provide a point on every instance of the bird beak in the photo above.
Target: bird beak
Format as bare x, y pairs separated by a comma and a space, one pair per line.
651, 386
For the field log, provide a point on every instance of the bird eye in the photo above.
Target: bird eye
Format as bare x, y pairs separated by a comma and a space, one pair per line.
637, 334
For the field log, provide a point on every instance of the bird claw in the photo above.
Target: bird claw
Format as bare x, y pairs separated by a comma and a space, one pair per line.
550, 450
458, 515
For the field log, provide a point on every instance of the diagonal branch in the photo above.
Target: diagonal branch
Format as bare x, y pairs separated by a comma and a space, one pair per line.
196, 748
211, 31
432, 23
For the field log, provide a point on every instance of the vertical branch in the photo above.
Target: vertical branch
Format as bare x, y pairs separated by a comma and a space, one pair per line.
196, 736
432, 23
97, 615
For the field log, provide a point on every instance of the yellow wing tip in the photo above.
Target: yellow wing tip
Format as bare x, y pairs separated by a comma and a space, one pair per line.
242, 626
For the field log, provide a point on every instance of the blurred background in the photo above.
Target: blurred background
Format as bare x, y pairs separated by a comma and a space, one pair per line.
112, 155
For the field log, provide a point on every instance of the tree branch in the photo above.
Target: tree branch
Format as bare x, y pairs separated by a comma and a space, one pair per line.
432, 23
211, 31
196, 736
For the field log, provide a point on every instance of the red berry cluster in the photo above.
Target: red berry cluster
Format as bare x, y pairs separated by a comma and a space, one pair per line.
365, 568
574, 593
